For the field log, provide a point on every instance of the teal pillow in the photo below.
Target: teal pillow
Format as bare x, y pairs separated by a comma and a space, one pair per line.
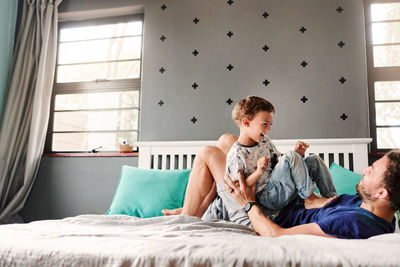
144, 192
344, 180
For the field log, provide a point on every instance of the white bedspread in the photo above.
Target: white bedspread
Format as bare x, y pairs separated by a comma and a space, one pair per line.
106, 240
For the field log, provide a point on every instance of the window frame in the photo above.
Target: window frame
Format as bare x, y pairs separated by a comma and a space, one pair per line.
97, 86
376, 74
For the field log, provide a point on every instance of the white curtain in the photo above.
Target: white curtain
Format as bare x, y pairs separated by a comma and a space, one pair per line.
26, 114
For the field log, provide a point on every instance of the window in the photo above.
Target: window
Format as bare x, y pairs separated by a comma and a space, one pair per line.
95, 103
383, 54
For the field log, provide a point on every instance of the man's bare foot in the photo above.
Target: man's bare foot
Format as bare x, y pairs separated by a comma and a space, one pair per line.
314, 202
177, 211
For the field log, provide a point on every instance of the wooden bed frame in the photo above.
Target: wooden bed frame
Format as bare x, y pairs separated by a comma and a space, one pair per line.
351, 153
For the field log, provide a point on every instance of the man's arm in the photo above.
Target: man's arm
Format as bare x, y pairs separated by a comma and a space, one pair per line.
261, 224
265, 227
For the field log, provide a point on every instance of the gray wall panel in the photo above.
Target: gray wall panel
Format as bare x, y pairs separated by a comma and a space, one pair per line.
328, 99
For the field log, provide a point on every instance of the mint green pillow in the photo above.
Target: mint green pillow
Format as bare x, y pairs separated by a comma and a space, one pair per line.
144, 192
344, 180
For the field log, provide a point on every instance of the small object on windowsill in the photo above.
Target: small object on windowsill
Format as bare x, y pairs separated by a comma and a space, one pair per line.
125, 147
95, 150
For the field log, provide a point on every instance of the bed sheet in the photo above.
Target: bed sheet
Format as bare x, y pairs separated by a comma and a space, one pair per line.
120, 240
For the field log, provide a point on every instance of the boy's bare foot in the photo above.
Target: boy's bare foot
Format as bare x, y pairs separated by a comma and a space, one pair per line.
177, 211
314, 202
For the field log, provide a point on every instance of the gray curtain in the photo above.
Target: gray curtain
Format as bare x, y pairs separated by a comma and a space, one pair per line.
25, 118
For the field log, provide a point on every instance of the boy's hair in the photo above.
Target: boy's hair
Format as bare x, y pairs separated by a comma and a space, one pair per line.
249, 107
391, 179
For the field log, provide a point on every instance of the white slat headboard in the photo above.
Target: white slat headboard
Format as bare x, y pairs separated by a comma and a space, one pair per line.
351, 153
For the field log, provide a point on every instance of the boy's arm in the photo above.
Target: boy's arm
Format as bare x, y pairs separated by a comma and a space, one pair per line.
301, 148
252, 178
262, 164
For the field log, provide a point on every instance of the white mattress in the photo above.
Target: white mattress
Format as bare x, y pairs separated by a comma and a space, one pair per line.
118, 240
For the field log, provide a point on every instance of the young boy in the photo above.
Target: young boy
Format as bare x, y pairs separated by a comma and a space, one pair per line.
278, 178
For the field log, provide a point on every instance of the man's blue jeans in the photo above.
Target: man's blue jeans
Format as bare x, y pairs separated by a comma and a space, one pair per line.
294, 177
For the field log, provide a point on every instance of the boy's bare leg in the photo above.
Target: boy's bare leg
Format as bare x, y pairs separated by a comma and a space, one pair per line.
315, 202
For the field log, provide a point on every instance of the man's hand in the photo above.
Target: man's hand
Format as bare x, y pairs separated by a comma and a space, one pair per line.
301, 148
261, 224
262, 164
241, 192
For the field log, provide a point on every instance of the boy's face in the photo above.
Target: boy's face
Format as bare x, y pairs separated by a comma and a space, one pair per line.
260, 125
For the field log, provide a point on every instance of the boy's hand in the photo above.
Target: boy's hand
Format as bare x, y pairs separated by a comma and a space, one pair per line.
301, 148
262, 164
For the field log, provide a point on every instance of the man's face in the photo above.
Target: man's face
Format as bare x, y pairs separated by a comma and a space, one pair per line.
372, 179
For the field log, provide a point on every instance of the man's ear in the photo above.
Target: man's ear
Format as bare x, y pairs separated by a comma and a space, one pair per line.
383, 193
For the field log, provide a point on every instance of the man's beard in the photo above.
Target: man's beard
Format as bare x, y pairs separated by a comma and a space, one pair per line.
363, 193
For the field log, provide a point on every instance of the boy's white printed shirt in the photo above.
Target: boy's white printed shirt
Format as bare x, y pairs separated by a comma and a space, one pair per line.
245, 158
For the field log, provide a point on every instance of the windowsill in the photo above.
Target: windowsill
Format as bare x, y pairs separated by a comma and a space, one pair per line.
91, 155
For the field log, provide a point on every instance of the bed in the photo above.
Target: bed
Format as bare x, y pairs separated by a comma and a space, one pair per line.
120, 240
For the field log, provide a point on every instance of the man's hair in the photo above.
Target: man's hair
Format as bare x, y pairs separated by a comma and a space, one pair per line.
249, 107
391, 179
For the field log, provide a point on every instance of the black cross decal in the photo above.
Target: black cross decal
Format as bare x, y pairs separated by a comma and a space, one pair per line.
304, 64
229, 67
229, 101
162, 70
343, 117
161, 103
341, 44
342, 80
304, 99
265, 48
229, 34
266, 82
163, 38
302, 29
196, 20
195, 52
230, 2
194, 119
195, 85
339, 9
265, 15
163, 7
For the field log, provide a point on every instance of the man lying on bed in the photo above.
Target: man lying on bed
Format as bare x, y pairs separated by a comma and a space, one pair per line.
349, 216
369, 213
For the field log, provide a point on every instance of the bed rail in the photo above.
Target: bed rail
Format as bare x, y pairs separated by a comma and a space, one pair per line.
351, 153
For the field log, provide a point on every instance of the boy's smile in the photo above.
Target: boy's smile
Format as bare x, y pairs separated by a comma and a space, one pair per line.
253, 131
